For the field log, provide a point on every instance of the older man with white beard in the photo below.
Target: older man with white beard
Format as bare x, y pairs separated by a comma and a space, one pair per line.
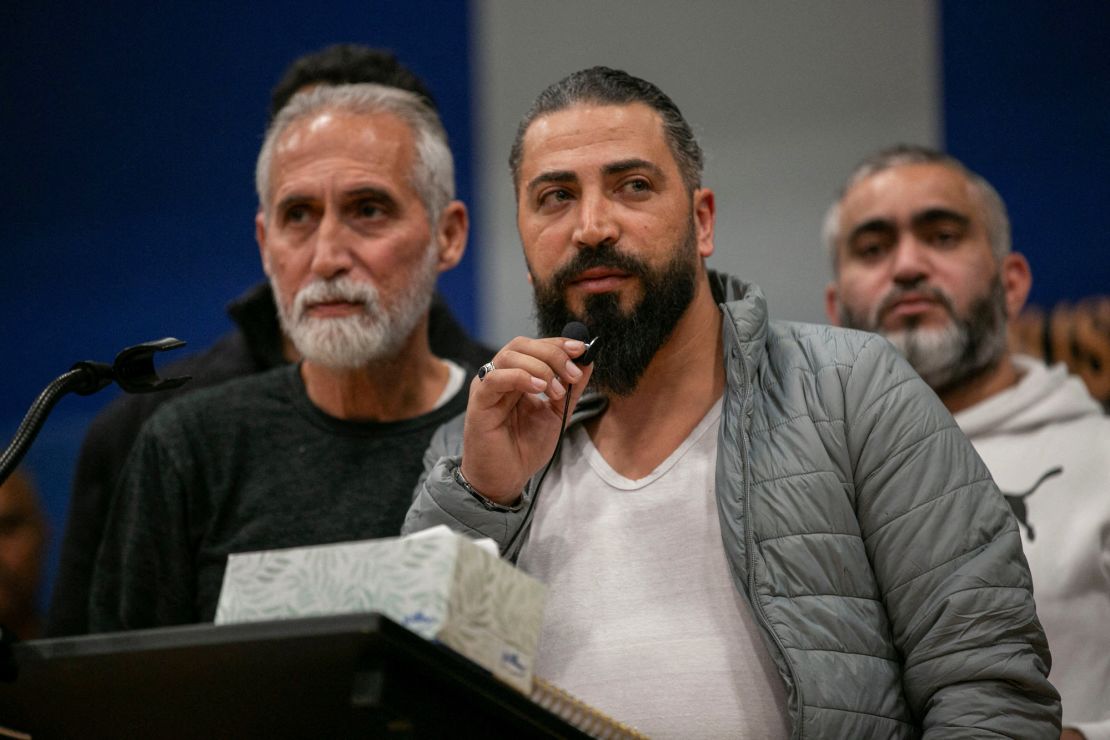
356, 221
921, 254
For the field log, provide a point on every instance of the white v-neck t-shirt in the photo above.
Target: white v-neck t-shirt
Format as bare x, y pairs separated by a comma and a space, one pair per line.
642, 619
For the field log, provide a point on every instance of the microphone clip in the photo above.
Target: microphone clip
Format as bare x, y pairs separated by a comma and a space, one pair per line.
133, 370
587, 357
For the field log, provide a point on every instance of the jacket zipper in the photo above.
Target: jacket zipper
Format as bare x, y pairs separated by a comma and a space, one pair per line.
746, 394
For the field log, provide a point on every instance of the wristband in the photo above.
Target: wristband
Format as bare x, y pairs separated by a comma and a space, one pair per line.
485, 502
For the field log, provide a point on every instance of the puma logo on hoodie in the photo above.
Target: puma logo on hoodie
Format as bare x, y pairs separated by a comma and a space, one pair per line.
1017, 500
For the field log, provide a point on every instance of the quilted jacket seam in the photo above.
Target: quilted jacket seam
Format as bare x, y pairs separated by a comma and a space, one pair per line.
964, 554
930, 502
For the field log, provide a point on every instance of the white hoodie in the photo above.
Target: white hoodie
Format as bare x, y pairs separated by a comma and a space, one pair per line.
1049, 422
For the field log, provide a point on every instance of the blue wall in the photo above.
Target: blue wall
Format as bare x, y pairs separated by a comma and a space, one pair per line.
1026, 89
130, 131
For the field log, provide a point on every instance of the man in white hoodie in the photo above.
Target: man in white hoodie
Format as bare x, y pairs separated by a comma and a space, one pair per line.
920, 248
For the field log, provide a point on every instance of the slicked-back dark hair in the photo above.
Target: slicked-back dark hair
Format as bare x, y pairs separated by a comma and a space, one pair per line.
607, 86
346, 64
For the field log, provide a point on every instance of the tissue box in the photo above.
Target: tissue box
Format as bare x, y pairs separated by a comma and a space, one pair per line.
437, 583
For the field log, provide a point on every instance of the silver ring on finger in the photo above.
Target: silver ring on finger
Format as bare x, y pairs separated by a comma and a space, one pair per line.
485, 370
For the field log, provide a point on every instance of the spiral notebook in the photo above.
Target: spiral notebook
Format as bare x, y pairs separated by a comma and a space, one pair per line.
576, 712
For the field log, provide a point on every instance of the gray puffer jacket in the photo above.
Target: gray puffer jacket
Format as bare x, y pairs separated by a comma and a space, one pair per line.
879, 558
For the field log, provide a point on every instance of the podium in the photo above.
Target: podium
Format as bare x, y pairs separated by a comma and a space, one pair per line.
342, 676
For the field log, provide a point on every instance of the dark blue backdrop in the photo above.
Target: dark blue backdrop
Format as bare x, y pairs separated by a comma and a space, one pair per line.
130, 131
1026, 89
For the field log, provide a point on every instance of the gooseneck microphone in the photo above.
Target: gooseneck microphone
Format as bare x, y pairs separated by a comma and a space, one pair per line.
133, 370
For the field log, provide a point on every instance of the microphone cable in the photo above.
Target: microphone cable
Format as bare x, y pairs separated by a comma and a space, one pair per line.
573, 330
539, 483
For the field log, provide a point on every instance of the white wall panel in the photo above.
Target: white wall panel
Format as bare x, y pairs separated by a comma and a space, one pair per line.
784, 96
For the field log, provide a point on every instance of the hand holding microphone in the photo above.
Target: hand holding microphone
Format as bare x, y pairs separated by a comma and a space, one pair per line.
577, 330
515, 413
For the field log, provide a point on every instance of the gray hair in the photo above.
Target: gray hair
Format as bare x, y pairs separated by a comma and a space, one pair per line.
997, 220
605, 86
433, 172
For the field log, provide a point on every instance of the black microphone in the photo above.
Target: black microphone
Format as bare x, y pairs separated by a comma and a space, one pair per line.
577, 330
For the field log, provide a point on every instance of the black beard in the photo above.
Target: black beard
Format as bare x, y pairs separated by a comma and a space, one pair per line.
628, 341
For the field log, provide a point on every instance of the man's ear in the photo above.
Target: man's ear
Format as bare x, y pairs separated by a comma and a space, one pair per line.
832, 303
452, 230
1017, 280
705, 218
260, 238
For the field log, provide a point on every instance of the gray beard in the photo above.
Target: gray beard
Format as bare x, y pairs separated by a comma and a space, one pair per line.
952, 355
351, 342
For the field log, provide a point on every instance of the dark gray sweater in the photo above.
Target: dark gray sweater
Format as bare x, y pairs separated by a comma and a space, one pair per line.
248, 465
254, 346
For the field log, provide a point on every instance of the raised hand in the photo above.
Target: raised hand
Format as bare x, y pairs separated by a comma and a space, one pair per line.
515, 410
